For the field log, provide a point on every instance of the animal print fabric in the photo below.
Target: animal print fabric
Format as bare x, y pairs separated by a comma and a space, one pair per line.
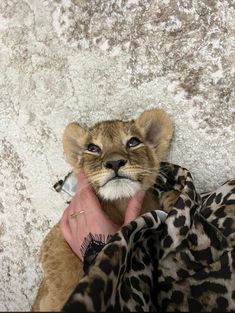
184, 264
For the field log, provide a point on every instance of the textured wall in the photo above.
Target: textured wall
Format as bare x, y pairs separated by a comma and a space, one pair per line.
66, 60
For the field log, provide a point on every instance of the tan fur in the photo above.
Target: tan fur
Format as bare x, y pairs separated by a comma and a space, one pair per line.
62, 268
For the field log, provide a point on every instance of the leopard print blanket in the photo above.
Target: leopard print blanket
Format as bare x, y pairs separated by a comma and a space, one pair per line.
183, 264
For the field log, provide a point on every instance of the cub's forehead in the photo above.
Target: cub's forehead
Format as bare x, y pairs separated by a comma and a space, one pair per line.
112, 130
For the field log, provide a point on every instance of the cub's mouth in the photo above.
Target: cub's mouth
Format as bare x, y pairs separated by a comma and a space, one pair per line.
119, 187
119, 177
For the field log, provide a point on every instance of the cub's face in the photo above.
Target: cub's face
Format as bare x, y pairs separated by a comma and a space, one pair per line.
120, 158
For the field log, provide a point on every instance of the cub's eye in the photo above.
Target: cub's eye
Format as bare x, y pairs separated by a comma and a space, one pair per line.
93, 148
133, 142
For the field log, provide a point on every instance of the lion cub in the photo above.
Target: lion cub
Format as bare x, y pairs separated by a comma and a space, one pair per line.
119, 158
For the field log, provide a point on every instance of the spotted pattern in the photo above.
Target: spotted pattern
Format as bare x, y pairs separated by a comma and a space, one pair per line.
184, 264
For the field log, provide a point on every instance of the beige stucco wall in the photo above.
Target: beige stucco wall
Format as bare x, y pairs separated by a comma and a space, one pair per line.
66, 60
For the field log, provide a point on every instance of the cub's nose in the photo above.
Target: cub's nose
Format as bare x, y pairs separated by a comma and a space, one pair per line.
115, 165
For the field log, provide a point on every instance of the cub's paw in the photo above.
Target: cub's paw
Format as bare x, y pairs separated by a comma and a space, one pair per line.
168, 200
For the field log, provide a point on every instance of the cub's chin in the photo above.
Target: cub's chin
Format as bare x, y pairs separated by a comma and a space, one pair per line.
117, 189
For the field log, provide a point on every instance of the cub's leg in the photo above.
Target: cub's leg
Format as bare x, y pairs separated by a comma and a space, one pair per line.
62, 272
42, 292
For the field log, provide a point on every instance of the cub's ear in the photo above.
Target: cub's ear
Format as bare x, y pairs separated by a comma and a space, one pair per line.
156, 128
74, 142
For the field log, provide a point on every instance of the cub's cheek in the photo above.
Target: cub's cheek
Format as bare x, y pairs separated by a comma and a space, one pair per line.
98, 183
149, 181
